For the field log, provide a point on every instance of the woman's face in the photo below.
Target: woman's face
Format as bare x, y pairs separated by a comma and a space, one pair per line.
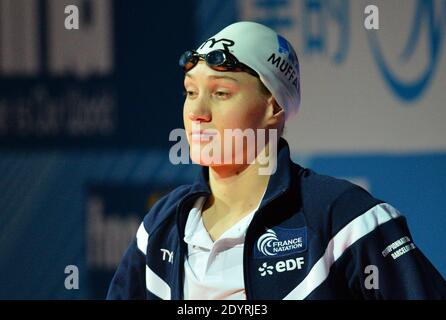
218, 101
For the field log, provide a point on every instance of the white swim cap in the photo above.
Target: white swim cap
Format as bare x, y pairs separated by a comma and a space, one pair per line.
267, 53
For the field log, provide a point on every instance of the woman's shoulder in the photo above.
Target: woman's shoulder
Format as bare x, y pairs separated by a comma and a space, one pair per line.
333, 201
165, 207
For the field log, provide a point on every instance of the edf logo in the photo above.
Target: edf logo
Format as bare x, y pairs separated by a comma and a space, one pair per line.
282, 266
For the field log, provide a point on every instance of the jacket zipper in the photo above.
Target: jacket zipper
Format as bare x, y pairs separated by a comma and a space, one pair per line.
182, 245
246, 274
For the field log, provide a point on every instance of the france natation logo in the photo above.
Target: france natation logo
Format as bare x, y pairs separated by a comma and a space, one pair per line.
280, 241
264, 244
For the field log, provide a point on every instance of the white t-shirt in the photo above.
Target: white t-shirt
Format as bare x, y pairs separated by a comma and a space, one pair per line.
214, 270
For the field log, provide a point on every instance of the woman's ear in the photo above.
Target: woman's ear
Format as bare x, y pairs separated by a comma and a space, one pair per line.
277, 108
278, 113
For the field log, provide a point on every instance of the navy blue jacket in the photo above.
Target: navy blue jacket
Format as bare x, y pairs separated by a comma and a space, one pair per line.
313, 237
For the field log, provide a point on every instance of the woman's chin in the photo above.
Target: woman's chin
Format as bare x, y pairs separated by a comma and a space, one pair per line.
202, 161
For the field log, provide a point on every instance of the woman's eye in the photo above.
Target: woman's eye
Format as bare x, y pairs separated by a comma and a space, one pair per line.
222, 94
189, 93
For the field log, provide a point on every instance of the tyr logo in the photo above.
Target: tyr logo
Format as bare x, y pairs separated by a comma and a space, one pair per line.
226, 43
167, 254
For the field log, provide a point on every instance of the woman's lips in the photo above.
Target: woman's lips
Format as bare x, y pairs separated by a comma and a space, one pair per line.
202, 135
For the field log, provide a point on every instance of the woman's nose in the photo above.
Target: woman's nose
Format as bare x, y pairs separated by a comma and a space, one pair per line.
199, 110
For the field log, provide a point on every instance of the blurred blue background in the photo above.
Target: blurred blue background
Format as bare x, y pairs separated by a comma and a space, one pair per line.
85, 117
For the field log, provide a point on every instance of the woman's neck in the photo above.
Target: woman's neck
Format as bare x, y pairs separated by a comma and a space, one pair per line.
237, 189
